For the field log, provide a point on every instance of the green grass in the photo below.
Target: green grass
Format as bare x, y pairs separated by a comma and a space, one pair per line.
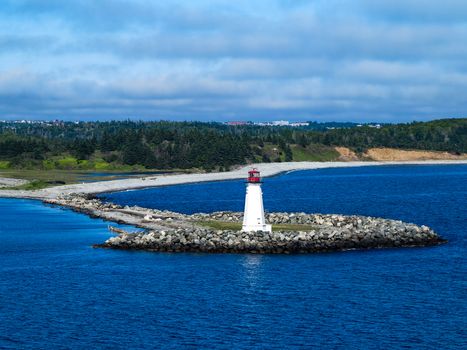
301, 154
102, 165
67, 163
4, 164
95, 163
273, 152
236, 226
54, 177
40, 175
313, 152
31, 186
316, 153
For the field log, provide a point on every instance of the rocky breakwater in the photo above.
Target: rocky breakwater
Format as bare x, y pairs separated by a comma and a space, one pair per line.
167, 231
150, 219
324, 233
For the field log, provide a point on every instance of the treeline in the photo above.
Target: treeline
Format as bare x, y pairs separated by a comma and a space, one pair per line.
440, 135
172, 145
152, 145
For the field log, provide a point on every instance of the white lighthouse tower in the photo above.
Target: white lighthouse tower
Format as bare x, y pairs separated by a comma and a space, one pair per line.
253, 218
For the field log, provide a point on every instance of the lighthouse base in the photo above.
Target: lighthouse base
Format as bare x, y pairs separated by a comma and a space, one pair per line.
256, 228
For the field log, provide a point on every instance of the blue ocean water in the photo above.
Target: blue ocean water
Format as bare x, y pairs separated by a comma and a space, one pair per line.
58, 292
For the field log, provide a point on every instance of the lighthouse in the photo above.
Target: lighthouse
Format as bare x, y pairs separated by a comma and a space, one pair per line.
253, 218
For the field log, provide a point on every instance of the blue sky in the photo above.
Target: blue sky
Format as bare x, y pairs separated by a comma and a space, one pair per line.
361, 60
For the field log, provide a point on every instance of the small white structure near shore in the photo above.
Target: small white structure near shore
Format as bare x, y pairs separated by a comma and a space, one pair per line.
253, 217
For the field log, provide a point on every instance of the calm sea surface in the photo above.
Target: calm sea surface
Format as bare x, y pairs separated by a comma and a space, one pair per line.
58, 292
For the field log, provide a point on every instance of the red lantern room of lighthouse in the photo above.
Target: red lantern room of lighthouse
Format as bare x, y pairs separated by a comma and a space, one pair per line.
253, 176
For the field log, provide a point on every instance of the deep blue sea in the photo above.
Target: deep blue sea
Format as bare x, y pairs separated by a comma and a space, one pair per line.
58, 292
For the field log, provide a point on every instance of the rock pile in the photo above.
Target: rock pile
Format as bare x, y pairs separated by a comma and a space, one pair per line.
91, 205
82, 201
331, 233
296, 218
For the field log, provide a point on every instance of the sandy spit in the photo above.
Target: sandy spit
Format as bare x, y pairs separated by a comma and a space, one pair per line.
267, 169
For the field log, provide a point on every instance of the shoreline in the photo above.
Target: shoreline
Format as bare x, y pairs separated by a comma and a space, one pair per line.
267, 170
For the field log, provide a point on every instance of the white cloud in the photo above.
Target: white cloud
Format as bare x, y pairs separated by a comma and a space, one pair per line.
222, 59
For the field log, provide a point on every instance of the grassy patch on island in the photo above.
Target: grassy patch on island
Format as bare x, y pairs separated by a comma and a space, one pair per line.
237, 226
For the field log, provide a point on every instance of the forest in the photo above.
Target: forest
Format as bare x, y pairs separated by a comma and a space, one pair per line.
206, 146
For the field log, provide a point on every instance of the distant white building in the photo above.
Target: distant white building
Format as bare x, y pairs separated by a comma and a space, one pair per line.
280, 123
253, 217
377, 126
299, 124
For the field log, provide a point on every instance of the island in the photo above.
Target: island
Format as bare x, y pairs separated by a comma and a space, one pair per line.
220, 232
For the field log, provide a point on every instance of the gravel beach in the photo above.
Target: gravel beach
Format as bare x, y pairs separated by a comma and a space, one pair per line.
266, 169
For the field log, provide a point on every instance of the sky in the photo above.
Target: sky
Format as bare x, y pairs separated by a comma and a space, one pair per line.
219, 60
